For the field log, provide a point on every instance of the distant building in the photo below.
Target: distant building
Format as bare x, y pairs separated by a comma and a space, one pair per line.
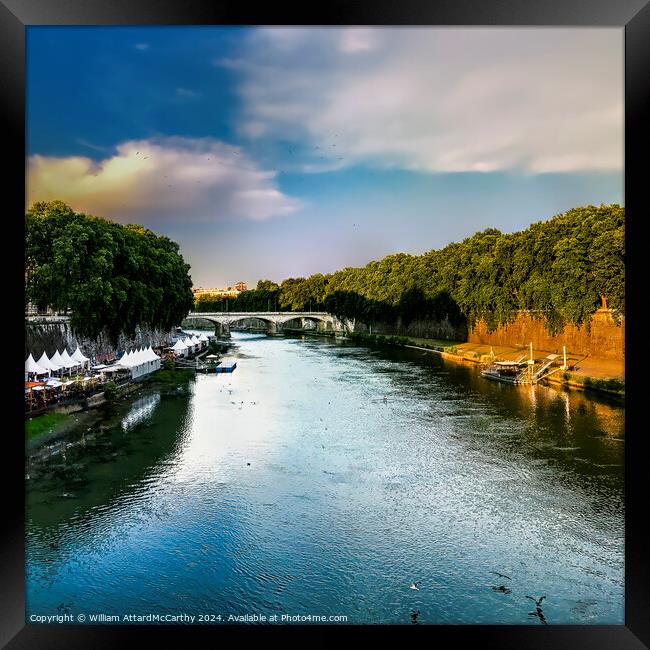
241, 286
216, 292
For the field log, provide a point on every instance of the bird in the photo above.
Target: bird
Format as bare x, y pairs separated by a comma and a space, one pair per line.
247, 463
538, 602
501, 575
539, 613
416, 585
502, 588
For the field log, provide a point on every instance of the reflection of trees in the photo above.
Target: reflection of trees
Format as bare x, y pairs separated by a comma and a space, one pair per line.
101, 469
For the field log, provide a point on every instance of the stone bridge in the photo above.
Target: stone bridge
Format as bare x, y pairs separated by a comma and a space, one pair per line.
276, 320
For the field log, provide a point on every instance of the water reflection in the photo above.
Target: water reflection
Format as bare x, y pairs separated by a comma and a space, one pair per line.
140, 411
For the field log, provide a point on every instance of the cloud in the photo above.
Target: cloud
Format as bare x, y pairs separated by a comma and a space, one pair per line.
162, 180
141, 46
439, 99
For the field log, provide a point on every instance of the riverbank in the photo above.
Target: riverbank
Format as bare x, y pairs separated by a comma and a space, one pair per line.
585, 373
58, 423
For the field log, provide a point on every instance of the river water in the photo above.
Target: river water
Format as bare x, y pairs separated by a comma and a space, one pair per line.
291, 486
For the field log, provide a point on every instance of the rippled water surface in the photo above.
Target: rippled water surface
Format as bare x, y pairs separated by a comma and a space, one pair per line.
293, 487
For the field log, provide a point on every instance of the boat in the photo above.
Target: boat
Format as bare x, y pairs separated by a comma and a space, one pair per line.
507, 371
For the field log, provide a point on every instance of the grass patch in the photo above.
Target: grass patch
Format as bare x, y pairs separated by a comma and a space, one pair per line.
432, 344
172, 377
45, 423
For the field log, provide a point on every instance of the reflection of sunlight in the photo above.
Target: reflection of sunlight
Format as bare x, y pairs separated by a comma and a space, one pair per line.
564, 397
227, 420
140, 410
533, 397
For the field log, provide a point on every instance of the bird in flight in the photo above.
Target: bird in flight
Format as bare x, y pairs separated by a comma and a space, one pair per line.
416, 585
538, 602
501, 575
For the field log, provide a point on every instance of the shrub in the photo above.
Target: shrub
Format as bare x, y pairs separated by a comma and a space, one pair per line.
110, 391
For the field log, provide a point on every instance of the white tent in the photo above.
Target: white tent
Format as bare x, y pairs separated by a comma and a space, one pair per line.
195, 340
44, 362
77, 355
179, 348
125, 360
156, 361
57, 360
32, 367
67, 361
203, 338
188, 343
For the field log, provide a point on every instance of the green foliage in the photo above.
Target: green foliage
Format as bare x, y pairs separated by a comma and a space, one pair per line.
110, 391
169, 364
217, 347
602, 385
557, 269
112, 278
45, 423
173, 377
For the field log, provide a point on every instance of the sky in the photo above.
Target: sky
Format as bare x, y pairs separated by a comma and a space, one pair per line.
284, 151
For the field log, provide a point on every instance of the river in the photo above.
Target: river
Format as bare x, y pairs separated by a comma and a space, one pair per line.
291, 486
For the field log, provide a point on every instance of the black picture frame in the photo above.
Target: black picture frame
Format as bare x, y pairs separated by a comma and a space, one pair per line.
631, 15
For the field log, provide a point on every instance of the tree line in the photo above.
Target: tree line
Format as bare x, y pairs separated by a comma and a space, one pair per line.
112, 277
561, 270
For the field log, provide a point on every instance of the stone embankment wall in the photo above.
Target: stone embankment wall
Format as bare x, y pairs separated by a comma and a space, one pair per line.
605, 338
50, 337
421, 328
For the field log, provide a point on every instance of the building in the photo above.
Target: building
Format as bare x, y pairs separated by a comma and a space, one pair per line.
215, 292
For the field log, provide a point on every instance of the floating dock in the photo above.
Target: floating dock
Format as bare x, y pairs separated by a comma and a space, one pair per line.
226, 365
521, 371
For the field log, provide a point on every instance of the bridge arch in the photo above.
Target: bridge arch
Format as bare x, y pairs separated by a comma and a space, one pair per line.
275, 320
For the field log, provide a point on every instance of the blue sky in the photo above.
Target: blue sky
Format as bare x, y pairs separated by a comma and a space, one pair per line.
278, 152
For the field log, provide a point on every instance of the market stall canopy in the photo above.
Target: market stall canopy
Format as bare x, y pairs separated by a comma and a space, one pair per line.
44, 362
33, 367
203, 338
188, 342
56, 359
78, 356
179, 346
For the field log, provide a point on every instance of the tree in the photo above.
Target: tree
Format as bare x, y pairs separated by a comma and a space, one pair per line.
112, 278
